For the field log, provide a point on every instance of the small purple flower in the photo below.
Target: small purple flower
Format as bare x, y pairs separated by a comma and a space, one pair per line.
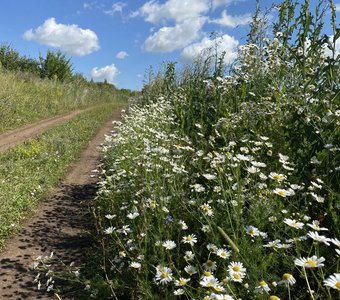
168, 219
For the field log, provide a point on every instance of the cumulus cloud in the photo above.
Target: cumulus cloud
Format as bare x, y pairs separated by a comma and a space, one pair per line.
217, 3
225, 43
178, 10
337, 7
69, 38
232, 21
328, 52
122, 54
107, 73
168, 39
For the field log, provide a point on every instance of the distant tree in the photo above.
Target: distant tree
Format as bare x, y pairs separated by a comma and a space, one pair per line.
56, 66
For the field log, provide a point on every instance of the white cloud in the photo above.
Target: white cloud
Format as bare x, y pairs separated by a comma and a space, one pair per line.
117, 7
217, 3
168, 39
122, 54
328, 52
208, 46
107, 73
178, 10
337, 7
69, 38
232, 21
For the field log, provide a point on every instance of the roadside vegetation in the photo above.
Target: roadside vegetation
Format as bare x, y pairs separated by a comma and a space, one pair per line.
29, 171
32, 90
226, 186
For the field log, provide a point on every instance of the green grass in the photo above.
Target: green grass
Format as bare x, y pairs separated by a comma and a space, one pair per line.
25, 98
29, 171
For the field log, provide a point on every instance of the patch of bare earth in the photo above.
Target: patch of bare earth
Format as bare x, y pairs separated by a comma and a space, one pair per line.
60, 224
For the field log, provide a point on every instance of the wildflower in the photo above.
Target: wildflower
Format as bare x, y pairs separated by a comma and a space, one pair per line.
310, 262
287, 279
168, 219
277, 177
209, 265
169, 245
163, 275
315, 225
190, 239
135, 265
110, 217
319, 238
333, 281
318, 198
258, 164
133, 215
263, 287
212, 248
178, 292
191, 270
206, 208
223, 297
198, 188
109, 230
183, 225
209, 176
189, 255
209, 281
125, 229
253, 170
284, 193
223, 253
236, 267
236, 277
293, 223
182, 281
252, 231
336, 242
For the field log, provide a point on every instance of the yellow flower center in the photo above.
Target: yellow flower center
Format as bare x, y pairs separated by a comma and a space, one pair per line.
188, 238
236, 276
281, 193
274, 298
286, 276
206, 273
236, 268
209, 263
251, 231
311, 263
182, 281
337, 284
263, 283
164, 275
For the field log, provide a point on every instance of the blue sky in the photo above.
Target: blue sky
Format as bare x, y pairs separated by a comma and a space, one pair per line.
120, 40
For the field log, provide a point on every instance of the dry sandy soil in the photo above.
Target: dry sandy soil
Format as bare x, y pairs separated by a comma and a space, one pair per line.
60, 224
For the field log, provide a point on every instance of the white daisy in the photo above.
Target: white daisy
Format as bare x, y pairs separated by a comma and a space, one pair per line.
293, 223
189, 239
333, 281
169, 245
310, 262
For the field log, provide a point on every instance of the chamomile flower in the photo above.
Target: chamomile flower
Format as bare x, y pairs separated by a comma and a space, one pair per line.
191, 270
284, 193
223, 253
207, 210
293, 223
333, 281
182, 281
163, 275
183, 225
178, 292
189, 239
319, 238
135, 265
189, 255
209, 281
169, 245
316, 226
287, 279
236, 267
236, 277
212, 248
277, 177
209, 265
310, 262
262, 287
252, 231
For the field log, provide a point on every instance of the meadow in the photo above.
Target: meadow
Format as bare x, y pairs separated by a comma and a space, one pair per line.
226, 185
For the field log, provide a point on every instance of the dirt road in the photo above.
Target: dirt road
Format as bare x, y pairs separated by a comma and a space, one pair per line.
15, 137
59, 224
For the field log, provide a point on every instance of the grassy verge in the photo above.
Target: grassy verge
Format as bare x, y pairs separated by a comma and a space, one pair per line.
25, 98
29, 171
